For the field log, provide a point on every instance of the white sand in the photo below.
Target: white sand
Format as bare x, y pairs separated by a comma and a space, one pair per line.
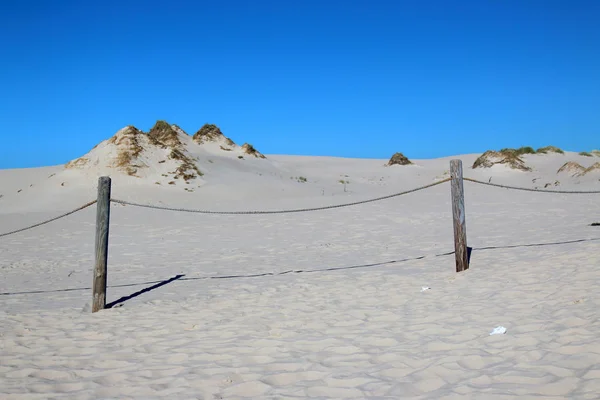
364, 332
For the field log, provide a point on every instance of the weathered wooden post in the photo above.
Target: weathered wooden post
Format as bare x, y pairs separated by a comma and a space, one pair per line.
458, 214
102, 225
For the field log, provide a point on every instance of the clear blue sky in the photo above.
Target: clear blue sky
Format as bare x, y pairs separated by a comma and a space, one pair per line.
316, 77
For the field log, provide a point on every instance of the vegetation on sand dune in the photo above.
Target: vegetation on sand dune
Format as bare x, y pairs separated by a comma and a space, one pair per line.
518, 152
175, 126
162, 134
187, 169
129, 149
549, 149
208, 132
249, 149
78, 163
577, 170
399, 159
572, 167
509, 157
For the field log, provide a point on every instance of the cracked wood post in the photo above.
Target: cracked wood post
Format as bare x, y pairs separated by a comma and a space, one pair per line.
102, 225
458, 216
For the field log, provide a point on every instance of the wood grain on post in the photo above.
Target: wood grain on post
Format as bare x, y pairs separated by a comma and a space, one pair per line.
102, 225
458, 216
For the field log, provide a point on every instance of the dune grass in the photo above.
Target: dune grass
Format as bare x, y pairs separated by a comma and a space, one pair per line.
399, 159
549, 149
510, 157
518, 152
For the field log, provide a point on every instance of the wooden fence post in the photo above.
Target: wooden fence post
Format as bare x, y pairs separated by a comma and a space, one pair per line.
102, 225
458, 214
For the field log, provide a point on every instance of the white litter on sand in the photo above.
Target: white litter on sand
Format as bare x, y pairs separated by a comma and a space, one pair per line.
499, 330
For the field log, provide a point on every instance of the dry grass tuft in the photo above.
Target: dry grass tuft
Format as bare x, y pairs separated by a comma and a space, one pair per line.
512, 157
578, 170
399, 159
162, 134
571, 167
509, 157
594, 167
250, 150
208, 133
187, 169
129, 149
212, 133
78, 163
177, 127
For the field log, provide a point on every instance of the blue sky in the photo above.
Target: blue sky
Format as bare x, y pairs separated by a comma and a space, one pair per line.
428, 78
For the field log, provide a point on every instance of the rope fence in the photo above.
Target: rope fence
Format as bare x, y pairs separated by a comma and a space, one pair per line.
86, 205
532, 190
461, 251
297, 210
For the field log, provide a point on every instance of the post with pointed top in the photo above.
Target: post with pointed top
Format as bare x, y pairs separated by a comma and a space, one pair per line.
458, 215
102, 224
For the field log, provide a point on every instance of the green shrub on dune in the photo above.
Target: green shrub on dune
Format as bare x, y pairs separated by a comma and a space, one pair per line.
549, 149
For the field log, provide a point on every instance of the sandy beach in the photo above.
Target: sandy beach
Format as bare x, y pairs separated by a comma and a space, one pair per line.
322, 305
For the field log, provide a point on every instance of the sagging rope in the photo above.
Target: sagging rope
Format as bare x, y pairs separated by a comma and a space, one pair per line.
532, 190
50, 220
258, 212
129, 203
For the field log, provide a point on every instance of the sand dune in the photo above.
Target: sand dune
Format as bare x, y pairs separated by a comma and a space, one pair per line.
320, 305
